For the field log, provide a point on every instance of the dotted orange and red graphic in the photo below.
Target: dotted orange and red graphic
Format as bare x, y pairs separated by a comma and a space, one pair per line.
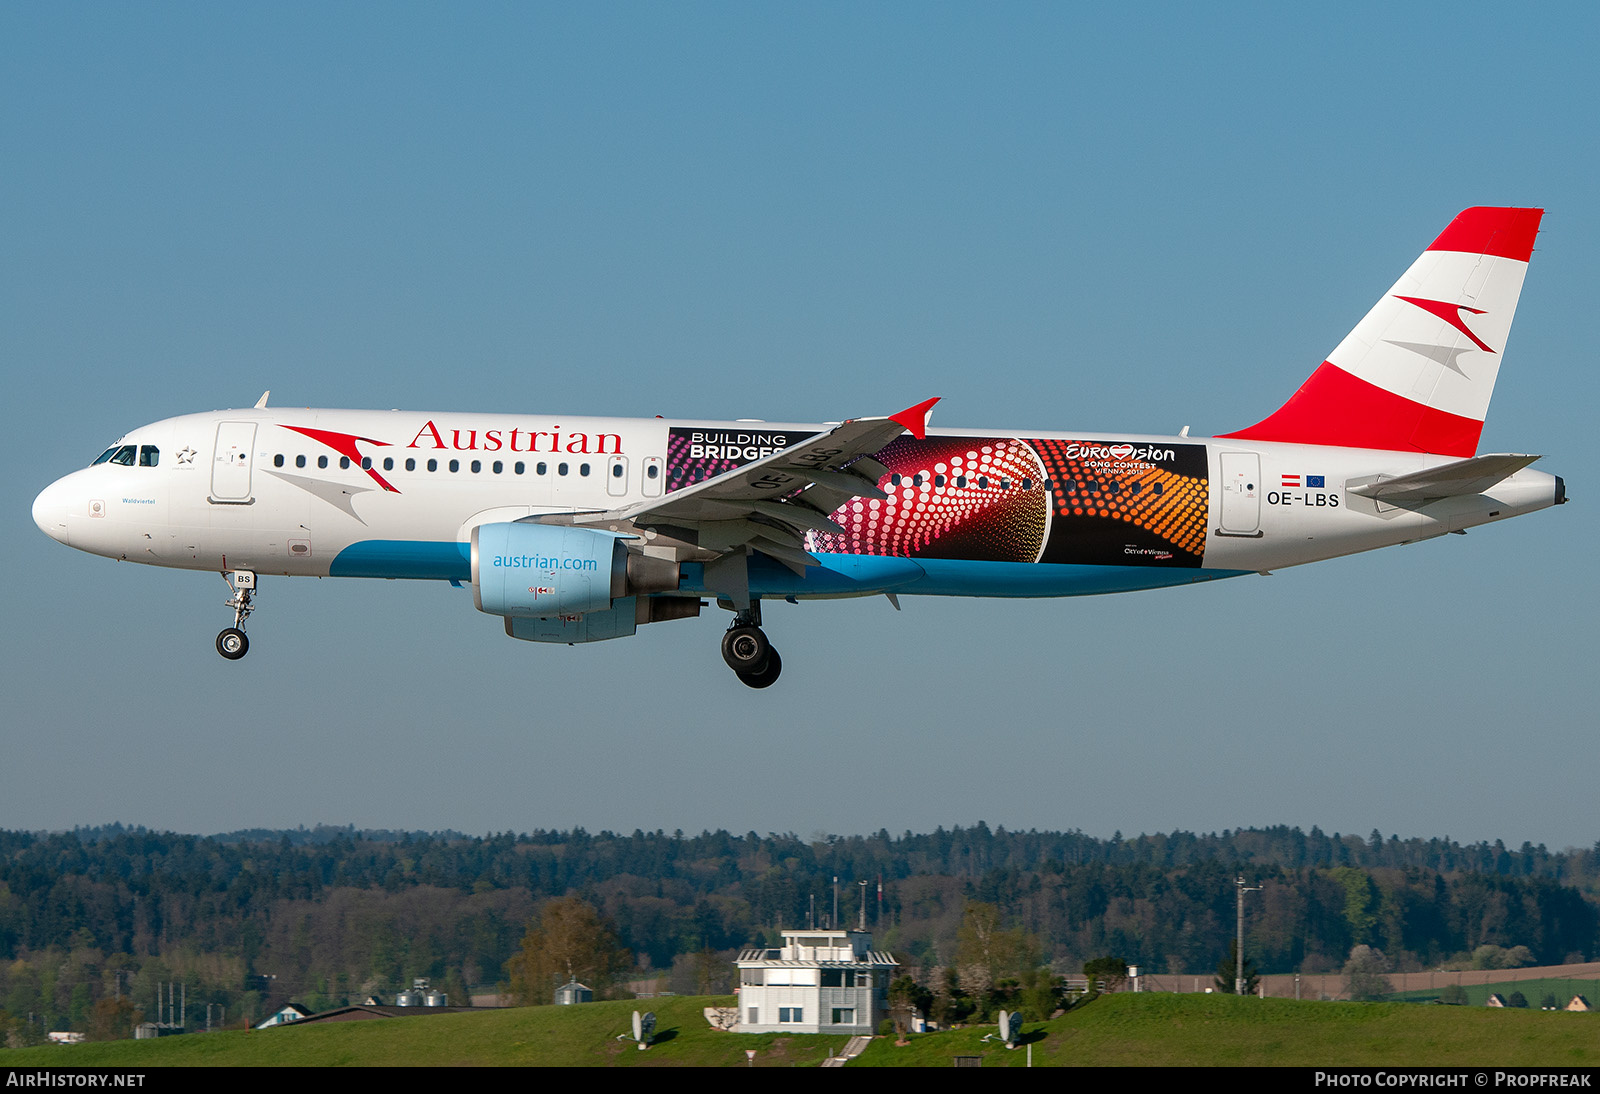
981, 498
1096, 481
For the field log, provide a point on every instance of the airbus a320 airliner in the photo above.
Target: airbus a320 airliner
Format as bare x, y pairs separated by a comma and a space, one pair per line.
582, 529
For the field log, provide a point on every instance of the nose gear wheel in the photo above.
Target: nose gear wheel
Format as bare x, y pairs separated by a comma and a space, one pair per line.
233, 644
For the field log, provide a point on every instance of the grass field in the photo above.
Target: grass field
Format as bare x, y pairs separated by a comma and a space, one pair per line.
1173, 1030
1131, 1030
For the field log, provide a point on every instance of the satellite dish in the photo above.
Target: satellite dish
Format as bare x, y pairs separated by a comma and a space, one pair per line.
1009, 1027
644, 1027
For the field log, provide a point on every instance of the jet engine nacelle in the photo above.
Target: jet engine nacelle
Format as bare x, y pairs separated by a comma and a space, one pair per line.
548, 571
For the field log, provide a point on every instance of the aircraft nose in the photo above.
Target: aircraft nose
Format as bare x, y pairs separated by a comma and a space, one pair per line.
50, 510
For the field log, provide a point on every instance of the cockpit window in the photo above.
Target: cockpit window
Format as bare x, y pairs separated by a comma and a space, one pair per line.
149, 455
124, 455
105, 456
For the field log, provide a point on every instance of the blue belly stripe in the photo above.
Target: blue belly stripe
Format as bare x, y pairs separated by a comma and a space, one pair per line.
404, 558
840, 575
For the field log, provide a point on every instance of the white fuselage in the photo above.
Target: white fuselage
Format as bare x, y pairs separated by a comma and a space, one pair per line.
397, 494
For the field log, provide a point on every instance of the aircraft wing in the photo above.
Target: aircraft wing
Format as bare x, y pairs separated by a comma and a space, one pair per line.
770, 504
1463, 477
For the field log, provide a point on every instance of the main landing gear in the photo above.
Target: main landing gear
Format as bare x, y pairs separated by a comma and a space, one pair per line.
232, 642
748, 653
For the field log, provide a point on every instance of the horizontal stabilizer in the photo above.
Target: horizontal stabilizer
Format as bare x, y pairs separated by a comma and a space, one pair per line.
1464, 477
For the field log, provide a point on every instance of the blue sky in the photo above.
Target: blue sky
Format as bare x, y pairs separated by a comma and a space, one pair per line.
1054, 216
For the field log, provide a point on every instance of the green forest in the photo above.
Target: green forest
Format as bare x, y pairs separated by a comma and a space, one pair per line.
93, 922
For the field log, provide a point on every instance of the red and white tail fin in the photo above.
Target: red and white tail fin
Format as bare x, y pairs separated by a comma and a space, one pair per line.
1416, 374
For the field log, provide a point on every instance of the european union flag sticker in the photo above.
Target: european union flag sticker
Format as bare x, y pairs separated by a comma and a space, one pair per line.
1314, 482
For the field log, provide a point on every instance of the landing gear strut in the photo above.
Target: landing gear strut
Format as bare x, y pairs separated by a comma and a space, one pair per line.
232, 642
748, 653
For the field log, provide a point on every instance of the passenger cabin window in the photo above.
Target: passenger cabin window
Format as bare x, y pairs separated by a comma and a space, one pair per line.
299, 461
322, 461
277, 461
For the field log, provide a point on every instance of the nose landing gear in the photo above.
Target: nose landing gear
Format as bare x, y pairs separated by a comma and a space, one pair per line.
232, 642
748, 653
